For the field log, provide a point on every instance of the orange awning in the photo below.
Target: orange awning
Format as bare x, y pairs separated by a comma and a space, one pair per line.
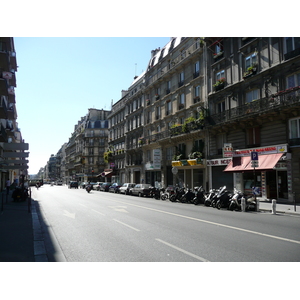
241, 164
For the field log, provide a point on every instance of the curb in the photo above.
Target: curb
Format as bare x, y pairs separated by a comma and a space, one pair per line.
40, 254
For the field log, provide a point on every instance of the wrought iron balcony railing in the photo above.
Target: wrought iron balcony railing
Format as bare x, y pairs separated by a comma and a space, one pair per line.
282, 99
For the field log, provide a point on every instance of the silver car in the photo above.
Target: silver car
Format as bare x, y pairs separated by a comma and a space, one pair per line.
125, 188
141, 190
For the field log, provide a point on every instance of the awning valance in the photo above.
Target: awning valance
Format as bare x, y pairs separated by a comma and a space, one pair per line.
241, 164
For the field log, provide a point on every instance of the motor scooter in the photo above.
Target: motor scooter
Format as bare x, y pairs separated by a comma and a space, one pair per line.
223, 198
199, 195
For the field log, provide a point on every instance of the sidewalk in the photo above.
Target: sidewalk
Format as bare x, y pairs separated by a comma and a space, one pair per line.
20, 232
281, 208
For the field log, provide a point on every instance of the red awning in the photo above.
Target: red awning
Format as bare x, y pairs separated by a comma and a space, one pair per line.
241, 164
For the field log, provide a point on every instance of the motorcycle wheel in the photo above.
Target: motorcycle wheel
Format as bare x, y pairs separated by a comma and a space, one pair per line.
163, 197
231, 206
172, 198
218, 204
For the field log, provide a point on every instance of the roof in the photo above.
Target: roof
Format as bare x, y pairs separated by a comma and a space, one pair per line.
159, 54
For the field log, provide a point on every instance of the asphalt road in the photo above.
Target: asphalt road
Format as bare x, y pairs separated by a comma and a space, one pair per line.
106, 227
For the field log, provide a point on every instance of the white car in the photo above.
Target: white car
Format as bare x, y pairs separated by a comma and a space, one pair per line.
124, 189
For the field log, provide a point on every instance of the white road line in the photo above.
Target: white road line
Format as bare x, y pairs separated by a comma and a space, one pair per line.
183, 251
126, 225
216, 224
82, 204
98, 212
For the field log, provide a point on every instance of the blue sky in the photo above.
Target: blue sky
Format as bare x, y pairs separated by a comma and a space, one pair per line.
59, 79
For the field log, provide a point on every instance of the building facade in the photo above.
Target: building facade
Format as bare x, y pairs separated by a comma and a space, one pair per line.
13, 161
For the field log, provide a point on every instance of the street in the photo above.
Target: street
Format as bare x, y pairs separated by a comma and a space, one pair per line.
107, 227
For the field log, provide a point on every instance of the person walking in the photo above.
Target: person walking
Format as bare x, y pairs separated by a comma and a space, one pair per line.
7, 186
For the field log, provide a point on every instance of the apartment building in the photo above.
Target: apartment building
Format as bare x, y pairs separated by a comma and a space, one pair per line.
13, 161
253, 98
86, 147
206, 104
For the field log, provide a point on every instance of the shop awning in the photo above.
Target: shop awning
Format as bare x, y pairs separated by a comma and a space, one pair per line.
241, 164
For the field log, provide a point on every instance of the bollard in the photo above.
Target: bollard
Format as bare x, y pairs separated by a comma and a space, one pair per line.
243, 204
274, 207
257, 205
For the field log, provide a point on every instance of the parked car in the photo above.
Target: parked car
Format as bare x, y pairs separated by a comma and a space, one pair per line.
105, 186
98, 185
125, 188
141, 190
114, 188
73, 184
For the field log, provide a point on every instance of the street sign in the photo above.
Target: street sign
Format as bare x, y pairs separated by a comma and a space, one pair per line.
254, 155
254, 163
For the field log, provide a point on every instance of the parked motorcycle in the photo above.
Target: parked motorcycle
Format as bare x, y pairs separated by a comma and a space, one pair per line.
223, 198
164, 195
199, 195
179, 192
235, 201
188, 196
154, 193
210, 197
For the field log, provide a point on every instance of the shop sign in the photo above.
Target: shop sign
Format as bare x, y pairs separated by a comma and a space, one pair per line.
218, 162
227, 150
156, 159
262, 150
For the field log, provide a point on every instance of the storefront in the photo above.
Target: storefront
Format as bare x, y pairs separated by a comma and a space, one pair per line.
217, 177
270, 176
189, 172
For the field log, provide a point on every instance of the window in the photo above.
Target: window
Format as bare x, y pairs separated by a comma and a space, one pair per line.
221, 139
196, 69
182, 97
253, 137
252, 95
169, 108
251, 60
293, 80
181, 101
169, 153
220, 107
168, 90
181, 79
292, 43
157, 112
220, 75
294, 127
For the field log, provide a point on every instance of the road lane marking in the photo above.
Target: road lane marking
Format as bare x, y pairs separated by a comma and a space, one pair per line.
126, 225
68, 214
216, 224
98, 212
183, 251
119, 208
82, 205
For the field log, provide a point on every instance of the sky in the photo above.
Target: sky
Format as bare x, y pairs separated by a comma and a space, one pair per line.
60, 78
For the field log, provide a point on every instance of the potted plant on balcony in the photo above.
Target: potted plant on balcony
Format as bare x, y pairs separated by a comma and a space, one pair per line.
219, 84
140, 141
108, 156
147, 102
250, 71
156, 97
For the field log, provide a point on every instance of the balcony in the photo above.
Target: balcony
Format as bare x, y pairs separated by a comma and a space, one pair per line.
284, 99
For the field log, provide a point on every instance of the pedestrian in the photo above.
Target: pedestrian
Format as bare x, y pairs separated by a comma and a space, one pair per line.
7, 186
